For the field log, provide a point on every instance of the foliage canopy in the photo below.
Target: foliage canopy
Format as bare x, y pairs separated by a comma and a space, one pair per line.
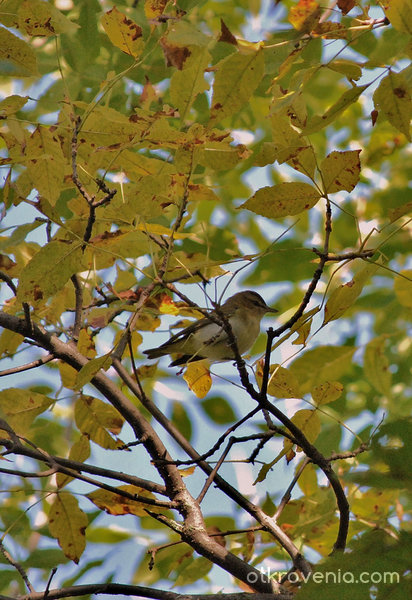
156, 155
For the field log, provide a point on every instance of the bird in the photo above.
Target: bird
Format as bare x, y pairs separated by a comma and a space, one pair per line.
207, 339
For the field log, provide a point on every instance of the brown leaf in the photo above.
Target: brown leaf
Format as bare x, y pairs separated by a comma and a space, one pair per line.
226, 35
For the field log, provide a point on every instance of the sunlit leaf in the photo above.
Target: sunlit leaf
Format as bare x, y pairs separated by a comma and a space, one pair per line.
340, 171
393, 98
285, 199
67, 523
376, 366
198, 379
123, 32
99, 421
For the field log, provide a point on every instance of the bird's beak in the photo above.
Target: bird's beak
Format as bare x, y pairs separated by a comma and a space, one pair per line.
269, 309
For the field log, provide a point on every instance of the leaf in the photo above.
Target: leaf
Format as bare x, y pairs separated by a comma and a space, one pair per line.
403, 288
317, 123
123, 32
393, 99
348, 67
67, 523
308, 422
340, 171
89, 370
49, 270
198, 379
327, 392
36, 17
79, 452
154, 8
181, 420
219, 410
304, 15
376, 366
185, 85
17, 58
116, 504
46, 163
11, 105
399, 14
324, 363
346, 5
20, 407
96, 419
282, 383
237, 77
282, 200
308, 481
346, 294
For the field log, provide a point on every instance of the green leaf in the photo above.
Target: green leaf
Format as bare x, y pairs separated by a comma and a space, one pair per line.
186, 84
42, 18
237, 76
399, 14
219, 410
393, 99
17, 59
376, 366
46, 163
89, 370
49, 270
321, 364
317, 123
282, 200
19, 407
11, 105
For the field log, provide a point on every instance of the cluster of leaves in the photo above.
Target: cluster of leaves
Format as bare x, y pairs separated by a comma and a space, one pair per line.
131, 154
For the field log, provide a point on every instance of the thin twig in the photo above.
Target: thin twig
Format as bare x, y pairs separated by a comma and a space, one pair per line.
27, 366
17, 566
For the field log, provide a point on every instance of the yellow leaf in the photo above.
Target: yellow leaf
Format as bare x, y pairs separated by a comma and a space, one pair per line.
237, 77
340, 171
304, 15
123, 32
19, 407
188, 471
17, 58
167, 306
154, 8
68, 375
96, 419
198, 379
67, 523
282, 383
403, 288
326, 392
308, 481
376, 366
282, 200
115, 504
308, 422
393, 99
346, 294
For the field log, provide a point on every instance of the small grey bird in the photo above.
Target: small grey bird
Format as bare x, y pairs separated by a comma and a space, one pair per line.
207, 339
